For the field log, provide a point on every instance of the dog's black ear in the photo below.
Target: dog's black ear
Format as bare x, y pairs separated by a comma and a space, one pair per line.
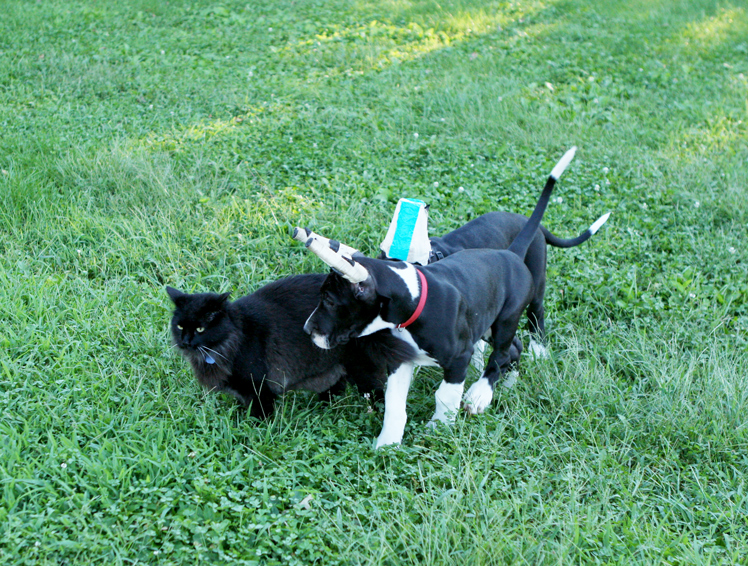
366, 291
223, 298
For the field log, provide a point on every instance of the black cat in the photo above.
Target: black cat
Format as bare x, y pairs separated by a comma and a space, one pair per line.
255, 348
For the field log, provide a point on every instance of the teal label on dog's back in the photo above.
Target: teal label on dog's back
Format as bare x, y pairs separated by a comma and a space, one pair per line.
406, 225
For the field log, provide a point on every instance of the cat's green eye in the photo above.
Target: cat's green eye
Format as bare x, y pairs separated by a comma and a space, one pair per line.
180, 327
200, 330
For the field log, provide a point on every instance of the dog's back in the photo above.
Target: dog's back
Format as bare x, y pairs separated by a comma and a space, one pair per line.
494, 230
498, 280
497, 230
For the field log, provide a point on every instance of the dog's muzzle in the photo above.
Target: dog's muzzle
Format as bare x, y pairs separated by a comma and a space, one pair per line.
320, 341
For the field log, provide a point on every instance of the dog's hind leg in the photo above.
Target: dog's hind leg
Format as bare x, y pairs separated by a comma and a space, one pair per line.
536, 317
538, 350
536, 326
515, 351
395, 397
535, 260
479, 350
504, 355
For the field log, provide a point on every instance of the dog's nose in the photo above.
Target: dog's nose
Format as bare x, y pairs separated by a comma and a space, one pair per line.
307, 328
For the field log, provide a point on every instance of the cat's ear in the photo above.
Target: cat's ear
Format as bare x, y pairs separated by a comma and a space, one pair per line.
223, 298
174, 294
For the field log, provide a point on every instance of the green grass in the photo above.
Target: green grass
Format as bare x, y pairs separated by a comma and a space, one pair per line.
149, 143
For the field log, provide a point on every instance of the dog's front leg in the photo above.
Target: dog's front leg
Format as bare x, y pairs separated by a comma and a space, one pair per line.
448, 398
395, 397
449, 395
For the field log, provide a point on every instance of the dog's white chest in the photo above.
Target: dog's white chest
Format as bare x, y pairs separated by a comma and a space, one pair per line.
423, 358
377, 324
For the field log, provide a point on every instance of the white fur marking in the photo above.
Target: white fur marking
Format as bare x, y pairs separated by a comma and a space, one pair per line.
423, 358
511, 379
563, 163
599, 223
479, 350
448, 398
410, 278
376, 325
310, 316
478, 397
395, 397
537, 350
320, 341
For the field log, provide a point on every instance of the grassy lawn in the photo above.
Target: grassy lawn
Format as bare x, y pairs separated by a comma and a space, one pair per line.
151, 143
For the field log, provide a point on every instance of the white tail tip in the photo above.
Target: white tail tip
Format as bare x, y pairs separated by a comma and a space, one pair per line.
599, 223
563, 163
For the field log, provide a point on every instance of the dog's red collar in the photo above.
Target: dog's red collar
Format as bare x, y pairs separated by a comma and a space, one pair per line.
421, 301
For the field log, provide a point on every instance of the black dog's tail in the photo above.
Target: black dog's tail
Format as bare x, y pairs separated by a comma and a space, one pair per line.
522, 241
556, 242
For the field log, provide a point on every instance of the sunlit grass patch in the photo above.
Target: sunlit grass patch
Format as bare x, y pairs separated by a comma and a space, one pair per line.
714, 29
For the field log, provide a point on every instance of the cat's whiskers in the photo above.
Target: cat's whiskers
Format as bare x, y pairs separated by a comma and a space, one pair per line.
204, 351
201, 349
219, 354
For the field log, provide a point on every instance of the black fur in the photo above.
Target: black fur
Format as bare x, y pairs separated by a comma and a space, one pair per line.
470, 292
260, 350
497, 230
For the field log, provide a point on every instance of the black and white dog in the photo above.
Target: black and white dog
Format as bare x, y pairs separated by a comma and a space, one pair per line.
497, 230
441, 309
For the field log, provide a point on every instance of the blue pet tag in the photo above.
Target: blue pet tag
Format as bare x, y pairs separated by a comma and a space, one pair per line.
209, 360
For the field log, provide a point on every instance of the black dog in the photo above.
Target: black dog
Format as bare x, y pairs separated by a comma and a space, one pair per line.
255, 348
497, 230
446, 306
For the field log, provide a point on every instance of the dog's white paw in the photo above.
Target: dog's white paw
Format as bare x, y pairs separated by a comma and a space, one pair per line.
538, 351
478, 397
387, 439
511, 379
447, 398
433, 424
447, 419
478, 361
